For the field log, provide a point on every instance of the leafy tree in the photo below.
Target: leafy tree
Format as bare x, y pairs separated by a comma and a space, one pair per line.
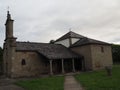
116, 53
52, 41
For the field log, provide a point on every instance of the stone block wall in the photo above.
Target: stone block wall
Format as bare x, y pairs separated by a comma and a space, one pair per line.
101, 56
34, 65
86, 52
95, 56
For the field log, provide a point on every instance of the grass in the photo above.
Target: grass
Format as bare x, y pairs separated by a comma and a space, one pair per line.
49, 83
98, 80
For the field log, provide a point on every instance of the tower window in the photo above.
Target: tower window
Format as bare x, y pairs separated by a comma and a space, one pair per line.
102, 49
23, 62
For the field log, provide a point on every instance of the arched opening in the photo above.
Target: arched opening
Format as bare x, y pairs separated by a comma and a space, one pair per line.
23, 62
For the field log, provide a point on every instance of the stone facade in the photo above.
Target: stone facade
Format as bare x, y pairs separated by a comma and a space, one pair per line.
8, 57
86, 52
34, 65
28, 64
101, 56
9, 47
47, 58
95, 56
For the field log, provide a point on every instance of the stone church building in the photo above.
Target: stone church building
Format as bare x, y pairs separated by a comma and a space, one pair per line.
70, 53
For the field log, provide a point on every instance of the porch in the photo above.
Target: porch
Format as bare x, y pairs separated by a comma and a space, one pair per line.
58, 66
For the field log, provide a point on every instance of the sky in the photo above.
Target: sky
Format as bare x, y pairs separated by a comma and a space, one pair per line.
45, 20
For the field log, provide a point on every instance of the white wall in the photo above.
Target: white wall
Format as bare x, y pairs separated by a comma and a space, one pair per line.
74, 40
64, 42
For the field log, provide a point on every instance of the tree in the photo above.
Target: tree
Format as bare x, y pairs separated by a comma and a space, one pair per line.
52, 41
116, 53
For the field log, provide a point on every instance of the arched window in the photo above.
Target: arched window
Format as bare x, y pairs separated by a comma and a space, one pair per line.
23, 62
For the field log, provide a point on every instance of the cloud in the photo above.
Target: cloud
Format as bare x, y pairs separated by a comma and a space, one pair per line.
43, 20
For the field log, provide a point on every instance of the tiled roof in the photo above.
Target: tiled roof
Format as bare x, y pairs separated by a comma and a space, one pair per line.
70, 35
85, 41
51, 51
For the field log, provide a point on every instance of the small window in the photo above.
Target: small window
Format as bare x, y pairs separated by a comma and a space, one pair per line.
102, 49
23, 62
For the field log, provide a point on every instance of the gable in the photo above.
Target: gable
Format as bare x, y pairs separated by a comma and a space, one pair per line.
70, 35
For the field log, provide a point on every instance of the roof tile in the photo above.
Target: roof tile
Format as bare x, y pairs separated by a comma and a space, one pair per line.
51, 51
86, 41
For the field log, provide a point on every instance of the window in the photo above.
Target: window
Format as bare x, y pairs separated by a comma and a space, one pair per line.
102, 49
23, 62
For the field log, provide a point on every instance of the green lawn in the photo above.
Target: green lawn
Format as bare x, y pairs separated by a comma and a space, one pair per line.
98, 80
49, 83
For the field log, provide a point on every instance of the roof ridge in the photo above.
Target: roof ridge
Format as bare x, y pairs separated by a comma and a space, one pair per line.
31, 42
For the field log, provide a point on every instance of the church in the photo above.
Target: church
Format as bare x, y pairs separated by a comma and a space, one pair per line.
71, 52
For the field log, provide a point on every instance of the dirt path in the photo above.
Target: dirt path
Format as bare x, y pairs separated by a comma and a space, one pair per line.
71, 84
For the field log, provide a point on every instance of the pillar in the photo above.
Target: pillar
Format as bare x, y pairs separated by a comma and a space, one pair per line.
63, 71
73, 64
51, 68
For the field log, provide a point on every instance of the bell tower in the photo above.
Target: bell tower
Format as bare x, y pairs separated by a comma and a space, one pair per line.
9, 26
9, 48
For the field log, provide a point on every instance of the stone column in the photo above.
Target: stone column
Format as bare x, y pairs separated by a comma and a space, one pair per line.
63, 71
73, 64
51, 68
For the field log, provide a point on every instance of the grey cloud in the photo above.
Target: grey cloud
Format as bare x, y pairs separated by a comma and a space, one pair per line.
42, 20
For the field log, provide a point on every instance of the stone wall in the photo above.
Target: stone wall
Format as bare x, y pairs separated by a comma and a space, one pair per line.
86, 52
95, 56
101, 56
35, 65
8, 56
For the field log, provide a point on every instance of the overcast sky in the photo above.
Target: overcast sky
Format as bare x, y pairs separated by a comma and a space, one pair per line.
43, 20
